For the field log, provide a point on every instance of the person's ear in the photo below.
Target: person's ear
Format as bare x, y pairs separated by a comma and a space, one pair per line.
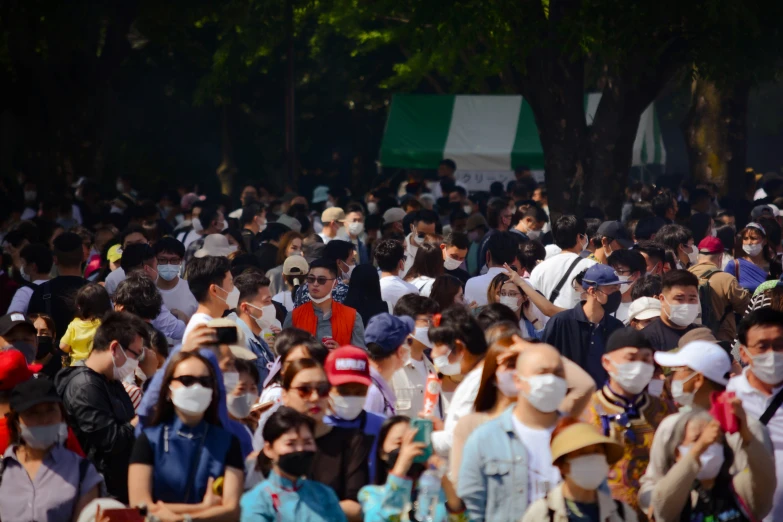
268, 451
606, 362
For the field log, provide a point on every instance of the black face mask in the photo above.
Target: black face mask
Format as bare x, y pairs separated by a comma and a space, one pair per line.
612, 302
297, 463
44, 346
416, 469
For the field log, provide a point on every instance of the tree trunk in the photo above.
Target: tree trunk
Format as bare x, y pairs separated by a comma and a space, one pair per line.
227, 169
735, 114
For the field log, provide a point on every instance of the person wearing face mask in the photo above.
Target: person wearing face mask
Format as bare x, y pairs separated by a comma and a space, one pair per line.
332, 219
506, 290
697, 484
211, 222
553, 277
254, 313
427, 266
642, 312
390, 258
753, 262
18, 333
624, 411
92, 303
287, 456
584, 458
344, 254
354, 232
177, 458
582, 332
758, 386
727, 296
630, 266
520, 443
348, 371
455, 250
528, 224
424, 222
99, 408
244, 396
393, 498
389, 347
613, 236
212, 285
699, 369
679, 240
36, 264
42, 479
290, 246
335, 324
174, 290
679, 309
252, 219
409, 382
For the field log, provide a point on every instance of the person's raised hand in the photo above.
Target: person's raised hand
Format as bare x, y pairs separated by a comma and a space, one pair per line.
710, 434
409, 450
201, 335
331, 345
513, 275
742, 419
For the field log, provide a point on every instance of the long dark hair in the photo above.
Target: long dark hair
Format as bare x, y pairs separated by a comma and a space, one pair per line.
444, 289
164, 410
428, 262
381, 473
365, 285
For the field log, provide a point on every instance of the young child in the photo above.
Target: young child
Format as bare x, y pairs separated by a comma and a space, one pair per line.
92, 302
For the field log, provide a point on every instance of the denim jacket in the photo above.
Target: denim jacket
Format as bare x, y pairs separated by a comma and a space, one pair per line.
493, 477
393, 500
265, 357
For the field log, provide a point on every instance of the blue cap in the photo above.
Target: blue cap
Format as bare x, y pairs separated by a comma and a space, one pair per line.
388, 331
600, 275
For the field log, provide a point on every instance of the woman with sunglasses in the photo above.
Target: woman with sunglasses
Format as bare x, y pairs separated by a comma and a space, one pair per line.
341, 454
177, 459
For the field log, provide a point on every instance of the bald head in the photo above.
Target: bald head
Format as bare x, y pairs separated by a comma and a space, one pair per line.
538, 359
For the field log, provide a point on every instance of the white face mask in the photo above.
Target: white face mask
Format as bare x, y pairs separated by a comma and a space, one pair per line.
126, 369
511, 302
451, 264
421, 334
240, 405
680, 396
624, 287
655, 388
768, 366
355, 228
445, 367
693, 254
633, 377
753, 249
324, 298
347, 407
711, 460
547, 391
24, 274
533, 234
347, 275
230, 381
714, 232
191, 400
467, 209
682, 314
372, 207
588, 471
506, 384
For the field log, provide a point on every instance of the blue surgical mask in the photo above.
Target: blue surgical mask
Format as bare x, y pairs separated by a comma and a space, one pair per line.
168, 272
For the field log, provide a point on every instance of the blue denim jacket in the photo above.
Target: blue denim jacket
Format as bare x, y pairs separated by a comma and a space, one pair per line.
493, 478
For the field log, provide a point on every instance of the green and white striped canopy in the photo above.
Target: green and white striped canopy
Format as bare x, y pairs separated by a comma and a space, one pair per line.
485, 133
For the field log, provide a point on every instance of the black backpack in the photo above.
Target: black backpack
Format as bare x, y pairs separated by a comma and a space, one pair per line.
709, 316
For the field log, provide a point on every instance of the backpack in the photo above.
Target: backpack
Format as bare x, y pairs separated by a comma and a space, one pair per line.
710, 318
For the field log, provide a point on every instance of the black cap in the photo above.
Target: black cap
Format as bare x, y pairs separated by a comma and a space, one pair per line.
616, 231
625, 338
67, 242
11, 321
33, 392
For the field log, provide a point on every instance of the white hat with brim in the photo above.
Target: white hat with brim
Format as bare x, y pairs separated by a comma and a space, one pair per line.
239, 350
703, 357
644, 308
215, 245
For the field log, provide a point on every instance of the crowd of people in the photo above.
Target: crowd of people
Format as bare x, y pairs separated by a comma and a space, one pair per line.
420, 353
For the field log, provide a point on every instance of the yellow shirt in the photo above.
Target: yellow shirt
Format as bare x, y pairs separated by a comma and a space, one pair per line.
79, 337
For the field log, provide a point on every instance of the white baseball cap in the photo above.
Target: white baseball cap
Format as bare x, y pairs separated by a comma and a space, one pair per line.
644, 308
703, 357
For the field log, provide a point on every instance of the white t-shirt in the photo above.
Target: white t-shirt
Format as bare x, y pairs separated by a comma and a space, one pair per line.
392, 288
424, 284
195, 320
542, 476
325, 238
548, 274
180, 298
191, 237
284, 298
113, 280
622, 312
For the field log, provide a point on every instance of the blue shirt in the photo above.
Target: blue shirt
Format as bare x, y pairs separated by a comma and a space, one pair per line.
389, 502
150, 400
370, 424
493, 477
265, 357
576, 338
281, 500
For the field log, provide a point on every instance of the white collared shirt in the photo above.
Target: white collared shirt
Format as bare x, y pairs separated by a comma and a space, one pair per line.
755, 403
476, 287
409, 383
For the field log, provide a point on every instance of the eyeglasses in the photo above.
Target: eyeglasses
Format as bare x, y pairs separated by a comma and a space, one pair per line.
620, 272
190, 380
509, 294
321, 280
175, 261
306, 390
138, 356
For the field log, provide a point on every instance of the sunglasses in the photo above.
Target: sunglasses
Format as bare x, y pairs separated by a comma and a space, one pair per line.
189, 380
306, 390
321, 280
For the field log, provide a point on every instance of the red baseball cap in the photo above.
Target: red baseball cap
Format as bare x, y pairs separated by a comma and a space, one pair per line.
348, 364
710, 245
14, 369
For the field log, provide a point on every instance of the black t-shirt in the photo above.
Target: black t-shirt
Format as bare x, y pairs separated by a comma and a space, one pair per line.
61, 294
663, 337
341, 461
144, 454
460, 274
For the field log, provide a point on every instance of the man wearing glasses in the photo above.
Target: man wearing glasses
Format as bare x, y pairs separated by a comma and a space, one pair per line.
331, 322
101, 411
174, 290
